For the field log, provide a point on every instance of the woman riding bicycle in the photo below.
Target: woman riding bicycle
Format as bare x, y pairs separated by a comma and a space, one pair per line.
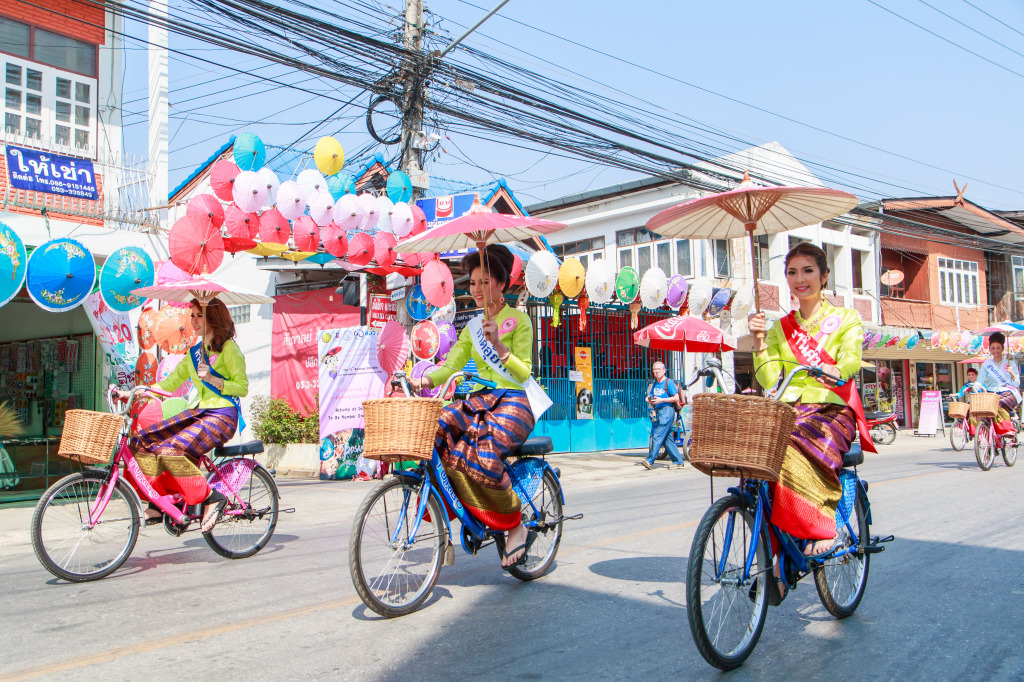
999, 376
168, 452
828, 416
475, 435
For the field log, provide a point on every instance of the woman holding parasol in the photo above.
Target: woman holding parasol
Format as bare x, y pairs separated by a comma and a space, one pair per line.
1002, 377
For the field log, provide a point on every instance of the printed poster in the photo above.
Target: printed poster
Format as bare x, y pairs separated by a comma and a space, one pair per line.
116, 335
931, 413
584, 384
349, 374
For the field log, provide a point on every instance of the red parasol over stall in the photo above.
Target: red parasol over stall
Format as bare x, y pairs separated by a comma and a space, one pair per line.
306, 234
335, 240
196, 246
206, 205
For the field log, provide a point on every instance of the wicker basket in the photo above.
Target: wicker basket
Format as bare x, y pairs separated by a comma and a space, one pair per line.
740, 435
958, 410
90, 436
400, 429
984, 404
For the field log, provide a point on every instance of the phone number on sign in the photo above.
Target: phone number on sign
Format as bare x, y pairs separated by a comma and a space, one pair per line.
307, 383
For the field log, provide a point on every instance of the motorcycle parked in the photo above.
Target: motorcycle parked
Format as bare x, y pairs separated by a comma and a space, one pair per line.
882, 427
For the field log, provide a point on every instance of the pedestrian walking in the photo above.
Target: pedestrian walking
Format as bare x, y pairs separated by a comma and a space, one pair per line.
662, 398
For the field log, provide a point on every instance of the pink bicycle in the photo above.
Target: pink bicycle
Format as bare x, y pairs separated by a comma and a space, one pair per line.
86, 525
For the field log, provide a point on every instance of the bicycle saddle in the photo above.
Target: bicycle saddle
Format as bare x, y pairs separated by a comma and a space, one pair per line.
253, 447
855, 456
538, 445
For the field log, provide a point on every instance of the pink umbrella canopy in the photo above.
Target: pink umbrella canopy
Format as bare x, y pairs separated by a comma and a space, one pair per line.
384, 249
684, 332
274, 227
240, 224
360, 249
348, 212
475, 229
419, 219
206, 205
371, 214
335, 240
392, 347
321, 208
291, 199
437, 283
306, 234
196, 246
426, 340
249, 191
222, 178
517, 269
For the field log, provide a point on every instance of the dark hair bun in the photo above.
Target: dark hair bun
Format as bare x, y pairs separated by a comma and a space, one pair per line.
499, 262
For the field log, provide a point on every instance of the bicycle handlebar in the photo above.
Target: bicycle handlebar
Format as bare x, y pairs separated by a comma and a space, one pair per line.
401, 380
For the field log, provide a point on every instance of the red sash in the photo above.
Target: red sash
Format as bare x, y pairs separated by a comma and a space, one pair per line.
806, 350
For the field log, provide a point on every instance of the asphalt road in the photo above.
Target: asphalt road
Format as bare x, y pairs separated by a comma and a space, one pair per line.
945, 601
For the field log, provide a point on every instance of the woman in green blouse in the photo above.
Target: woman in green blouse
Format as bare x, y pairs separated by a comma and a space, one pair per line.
475, 435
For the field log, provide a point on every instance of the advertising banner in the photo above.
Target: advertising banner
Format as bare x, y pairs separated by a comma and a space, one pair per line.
116, 335
382, 310
931, 413
349, 374
293, 346
584, 384
440, 210
38, 171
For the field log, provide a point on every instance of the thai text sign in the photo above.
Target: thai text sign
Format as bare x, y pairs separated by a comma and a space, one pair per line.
39, 171
931, 412
116, 335
382, 310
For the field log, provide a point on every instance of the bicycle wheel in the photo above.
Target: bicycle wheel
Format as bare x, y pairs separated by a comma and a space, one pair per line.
63, 541
392, 576
241, 535
959, 435
549, 507
841, 581
1010, 450
884, 434
984, 445
727, 613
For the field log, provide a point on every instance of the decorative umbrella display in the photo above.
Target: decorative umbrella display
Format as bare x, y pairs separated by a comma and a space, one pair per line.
60, 274
272, 182
677, 288
126, 269
417, 304
418, 370
392, 347
437, 283
240, 224
321, 259
600, 281
312, 183
385, 207
328, 155
627, 285
700, 296
249, 151
419, 220
164, 369
348, 212
653, 288
368, 204
13, 263
447, 336
174, 333
145, 369
291, 199
402, 220
360, 249
1007, 329
517, 269
335, 240
425, 340
222, 179
384, 249
306, 234
541, 274
399, 187
742, 303
249, 191
274, 227
196, 246
445, 313
719, 301
340, 185
206, 205
147, 328
321, 209
684, 332
571, 277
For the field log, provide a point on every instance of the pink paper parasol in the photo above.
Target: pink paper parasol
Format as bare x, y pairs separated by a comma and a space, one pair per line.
321, 208
249, 191
222, 178
274, 227
335, 240
348, 213
419, 219
684, 333
447, 337
402, 220
368, 203
437, 283
206, 205
240, 224
306, 234
392, 347
425, 340
384, 248
164, 369
196, 245
360, 249
517, 269
291, 200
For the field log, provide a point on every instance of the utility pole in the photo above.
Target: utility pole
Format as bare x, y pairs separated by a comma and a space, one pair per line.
412, 97
158, 126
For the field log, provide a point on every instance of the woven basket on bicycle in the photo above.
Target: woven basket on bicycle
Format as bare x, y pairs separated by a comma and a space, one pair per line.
736, 435
90, 436
985, 404
958, 410
401, 429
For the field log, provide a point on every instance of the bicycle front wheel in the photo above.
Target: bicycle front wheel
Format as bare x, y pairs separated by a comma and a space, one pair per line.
726, 610
1010, 450
237, 536
392, 575
547, 524
841, 581
958, 435
65, 542
984, 445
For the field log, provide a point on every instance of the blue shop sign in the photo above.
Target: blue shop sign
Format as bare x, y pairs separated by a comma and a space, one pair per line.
39, 171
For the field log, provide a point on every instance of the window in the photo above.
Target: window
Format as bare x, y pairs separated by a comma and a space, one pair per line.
239, 313
643, 260
576, 248
15, 37
723, 266
63, 52
684, 266
1018, 277
857, 261
625, 258
33, 128
958, 282
761, 255
13, 99
664, 251
12, 124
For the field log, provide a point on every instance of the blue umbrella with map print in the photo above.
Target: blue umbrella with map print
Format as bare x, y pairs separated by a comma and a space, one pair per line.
61, 274
125, 270
13, 263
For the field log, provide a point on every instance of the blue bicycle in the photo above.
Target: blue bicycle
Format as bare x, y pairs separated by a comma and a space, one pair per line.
401, 535
730, 580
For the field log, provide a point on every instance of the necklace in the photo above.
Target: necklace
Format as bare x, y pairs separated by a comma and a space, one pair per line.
812, 320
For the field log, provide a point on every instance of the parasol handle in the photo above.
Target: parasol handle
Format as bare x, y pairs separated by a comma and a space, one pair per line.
480, 246
202, 342
759, 336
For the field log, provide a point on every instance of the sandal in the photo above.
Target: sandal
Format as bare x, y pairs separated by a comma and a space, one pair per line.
215, 503
818, 555
525, 547
152, 516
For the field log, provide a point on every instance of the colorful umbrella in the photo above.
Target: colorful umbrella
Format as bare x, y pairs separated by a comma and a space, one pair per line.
541, 273
164, 369
684, 332
340, 185
517, 269
445, 313
321, 259
328, 155
222, 179
719, 301
627, 285
600, 281
296, 256
425, 340
392, 347
417, 304
321, 209
384, 249
742, 303
677, 288
700, 296
196, 245
437, 283
274, 227
206, 205
447, 336
419, 220
145, 369
249, 151
147, 328
1008, 329
335, 240
306, 234
312, 183
13, 263
240, 224
402, 220
370, 215
60, 274
571, 277
348, 212
204, 290
126, 269
653, 288
385, 207
174, 332
249, 191
399, 187
360, 249
291, 199
418, 370
272, 182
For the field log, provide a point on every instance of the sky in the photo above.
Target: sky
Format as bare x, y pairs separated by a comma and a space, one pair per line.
892, 109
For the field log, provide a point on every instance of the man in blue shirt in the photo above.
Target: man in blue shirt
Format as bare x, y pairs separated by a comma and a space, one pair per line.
662, 398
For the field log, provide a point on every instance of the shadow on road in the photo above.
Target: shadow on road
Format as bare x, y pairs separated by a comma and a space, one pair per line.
652, 569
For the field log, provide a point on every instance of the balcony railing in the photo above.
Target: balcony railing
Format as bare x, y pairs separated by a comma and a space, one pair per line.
902, 312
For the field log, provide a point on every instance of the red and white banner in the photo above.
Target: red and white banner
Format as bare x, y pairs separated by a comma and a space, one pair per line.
382, 310
294, 363
115, 332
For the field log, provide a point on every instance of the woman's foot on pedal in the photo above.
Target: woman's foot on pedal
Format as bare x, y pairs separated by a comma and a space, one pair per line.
215, 503
517, 543
819, 547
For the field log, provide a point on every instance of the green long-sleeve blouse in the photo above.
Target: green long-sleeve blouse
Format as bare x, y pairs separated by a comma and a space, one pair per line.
230, 364
515, 331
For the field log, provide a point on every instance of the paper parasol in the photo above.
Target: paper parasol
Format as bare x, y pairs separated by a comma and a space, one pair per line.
385, 207
517, 270
306, 234
348, 212
340, 185
60, 274
272, 183
402, 220
417, 304
392, 347
368, 203
627, 285
13, 263
274, 227
445, 313
360, 249
329, 155
146, 328
249, 191
571, 277
249, 151
321, 209
335, 240
600, 281
312, 183
206, 205
700, 296
425, 340
126, 269
418, 371
165, 368
437, 283
399, 187
222, 179
384, 249
653, 288
419, 220
291, 200
174, 332
677, 288
238, 223
145, 369
719, 301
542, 274
196, 246
447, 337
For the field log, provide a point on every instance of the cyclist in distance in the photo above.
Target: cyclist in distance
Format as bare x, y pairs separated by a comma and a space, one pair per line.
828, 416
475, 435
168, 452
1000, 376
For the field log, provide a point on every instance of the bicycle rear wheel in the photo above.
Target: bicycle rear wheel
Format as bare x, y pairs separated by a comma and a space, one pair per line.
548, 500
392, 576
726, 612
841, 581
984, 445
238, 536
959, 435
1010, 450
64, 542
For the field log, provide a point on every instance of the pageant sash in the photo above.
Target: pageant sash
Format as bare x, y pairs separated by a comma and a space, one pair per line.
196, 354
1000, 376
807, 352
539, 400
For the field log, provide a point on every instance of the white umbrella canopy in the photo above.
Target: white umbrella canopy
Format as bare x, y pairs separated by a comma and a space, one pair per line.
600, 281
653, 288
541, 274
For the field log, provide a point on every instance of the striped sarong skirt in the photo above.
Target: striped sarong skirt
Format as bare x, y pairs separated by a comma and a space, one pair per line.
168, 452
807, 494
474, 437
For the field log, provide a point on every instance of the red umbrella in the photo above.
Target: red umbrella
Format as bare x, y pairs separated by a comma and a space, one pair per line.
206, 205
426, 340
196, 245
236, 244
392, 347
335, 240
145, 369
147, 325
238, 223
437, 284
419, 220
684, 333
306, 234
222, 179
174, 331
274, 227
517, 269
384, 248
360, 249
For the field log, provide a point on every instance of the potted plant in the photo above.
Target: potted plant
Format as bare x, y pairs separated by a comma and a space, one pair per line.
291, 439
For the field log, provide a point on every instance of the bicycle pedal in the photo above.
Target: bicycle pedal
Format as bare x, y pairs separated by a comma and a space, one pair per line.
449, 555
